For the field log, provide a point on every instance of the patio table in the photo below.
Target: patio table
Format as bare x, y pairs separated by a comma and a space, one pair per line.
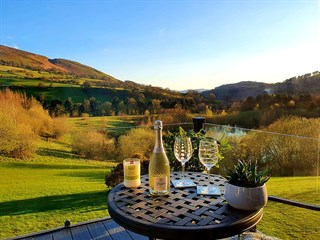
182, 215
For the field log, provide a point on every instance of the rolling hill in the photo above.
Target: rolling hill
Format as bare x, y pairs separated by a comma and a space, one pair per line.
307, 83
18, 67
22, 59
60, 78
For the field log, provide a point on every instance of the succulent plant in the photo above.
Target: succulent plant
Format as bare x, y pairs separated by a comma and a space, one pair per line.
246, 174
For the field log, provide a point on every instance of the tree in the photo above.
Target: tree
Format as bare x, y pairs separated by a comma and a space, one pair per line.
156, 106
85, 86
94, 110
68, 106
248, 104
106, 108
86, 106
121, 108
115, 105
132, 106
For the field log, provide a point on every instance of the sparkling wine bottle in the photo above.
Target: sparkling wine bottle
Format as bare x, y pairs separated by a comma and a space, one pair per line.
159, 167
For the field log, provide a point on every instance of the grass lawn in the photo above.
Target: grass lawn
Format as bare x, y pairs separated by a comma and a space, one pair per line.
55, 185
61, 90
289, 222
115, 125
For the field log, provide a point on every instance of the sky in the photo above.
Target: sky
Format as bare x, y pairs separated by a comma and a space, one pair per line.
176, 44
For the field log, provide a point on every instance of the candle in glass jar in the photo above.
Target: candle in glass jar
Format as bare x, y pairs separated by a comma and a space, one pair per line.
131, 171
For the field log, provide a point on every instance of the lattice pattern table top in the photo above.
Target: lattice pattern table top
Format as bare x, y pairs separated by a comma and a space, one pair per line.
184, 210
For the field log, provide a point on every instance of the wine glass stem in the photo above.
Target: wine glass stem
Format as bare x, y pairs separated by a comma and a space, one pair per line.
208, 172
183, 166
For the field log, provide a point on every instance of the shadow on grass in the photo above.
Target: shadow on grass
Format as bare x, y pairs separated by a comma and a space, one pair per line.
86, 201
48, 166
92, 175
308, 197
56, 153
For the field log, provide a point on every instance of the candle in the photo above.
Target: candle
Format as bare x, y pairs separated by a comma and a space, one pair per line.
131, 171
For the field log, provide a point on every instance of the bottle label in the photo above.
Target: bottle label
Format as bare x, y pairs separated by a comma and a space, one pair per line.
160, 183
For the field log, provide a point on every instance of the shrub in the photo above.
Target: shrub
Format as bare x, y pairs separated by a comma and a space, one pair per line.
293, 155
285, 154
17, 133
59, 127
93, 145
136, 141
44, 125
40, 120
17, 140
174, 115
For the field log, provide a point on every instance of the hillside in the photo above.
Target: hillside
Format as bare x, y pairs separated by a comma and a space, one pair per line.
239, 90
30, 71
59, 79
307, 83
22, 59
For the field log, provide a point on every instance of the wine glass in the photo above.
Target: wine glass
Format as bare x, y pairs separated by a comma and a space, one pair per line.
208, 156
183, 152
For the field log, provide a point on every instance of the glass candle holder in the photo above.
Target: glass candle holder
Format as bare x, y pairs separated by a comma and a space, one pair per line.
131, 171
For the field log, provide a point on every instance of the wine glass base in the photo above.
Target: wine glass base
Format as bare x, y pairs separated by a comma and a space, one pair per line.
183, 183
211, 190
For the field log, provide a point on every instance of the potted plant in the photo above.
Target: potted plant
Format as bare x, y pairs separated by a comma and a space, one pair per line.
246, 186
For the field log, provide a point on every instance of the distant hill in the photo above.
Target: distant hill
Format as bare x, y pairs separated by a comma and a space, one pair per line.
22, 59
19, 65
307, 83
59, 79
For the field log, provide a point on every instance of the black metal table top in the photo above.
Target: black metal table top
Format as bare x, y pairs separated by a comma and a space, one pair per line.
182, 215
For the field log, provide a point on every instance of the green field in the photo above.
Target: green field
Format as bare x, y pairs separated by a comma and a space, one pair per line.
56, 86
289, 222
63, 91
55, 185
116, 125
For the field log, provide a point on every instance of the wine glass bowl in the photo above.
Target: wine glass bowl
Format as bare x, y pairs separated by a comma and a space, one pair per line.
183, 152
209, 157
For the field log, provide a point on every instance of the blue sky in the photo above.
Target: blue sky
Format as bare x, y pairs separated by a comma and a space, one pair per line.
175, 44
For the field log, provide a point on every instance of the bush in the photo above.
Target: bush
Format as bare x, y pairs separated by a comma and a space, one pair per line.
93, 145
40, 120
293, 155
59, 127
17, 140
174, 115
17, 133
285, 154
136, 141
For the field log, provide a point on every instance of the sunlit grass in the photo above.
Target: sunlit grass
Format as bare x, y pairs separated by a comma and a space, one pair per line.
114, 125
289, 222
302, 189
44, 191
